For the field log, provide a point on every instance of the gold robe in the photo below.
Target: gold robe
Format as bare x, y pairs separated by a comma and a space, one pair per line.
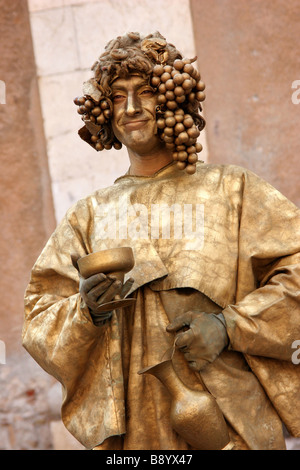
243, 261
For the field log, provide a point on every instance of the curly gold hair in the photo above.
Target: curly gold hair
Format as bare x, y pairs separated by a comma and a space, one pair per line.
177, 83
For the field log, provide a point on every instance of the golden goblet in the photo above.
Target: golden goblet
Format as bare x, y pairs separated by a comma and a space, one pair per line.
115, 262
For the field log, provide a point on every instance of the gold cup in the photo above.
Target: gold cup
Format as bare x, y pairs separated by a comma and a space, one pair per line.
116, 262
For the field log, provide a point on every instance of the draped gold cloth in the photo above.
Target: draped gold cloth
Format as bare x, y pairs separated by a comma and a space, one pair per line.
246, 265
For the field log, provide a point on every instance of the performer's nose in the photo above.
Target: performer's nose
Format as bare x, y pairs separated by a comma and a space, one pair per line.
133, 105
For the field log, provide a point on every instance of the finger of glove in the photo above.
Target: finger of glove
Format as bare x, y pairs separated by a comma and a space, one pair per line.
179, 322
197, 365
85, 285
184, 340
126, 287
96, 292
199, 355
110, 293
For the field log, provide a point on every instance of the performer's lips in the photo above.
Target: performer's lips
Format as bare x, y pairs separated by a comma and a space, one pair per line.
136, 124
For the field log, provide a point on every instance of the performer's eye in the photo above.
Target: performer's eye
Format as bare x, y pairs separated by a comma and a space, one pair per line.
147, 92
117, 97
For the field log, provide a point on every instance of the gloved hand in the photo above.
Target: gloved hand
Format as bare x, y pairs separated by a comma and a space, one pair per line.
203, 341
99, 289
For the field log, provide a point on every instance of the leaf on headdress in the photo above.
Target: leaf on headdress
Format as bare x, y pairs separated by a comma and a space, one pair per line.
91, 88
155, 49
92, 127
84, 134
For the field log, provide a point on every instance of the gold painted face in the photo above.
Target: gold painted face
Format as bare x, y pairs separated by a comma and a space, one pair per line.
134, 114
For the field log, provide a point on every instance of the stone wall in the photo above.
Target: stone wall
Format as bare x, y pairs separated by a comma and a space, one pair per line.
249, 59
27, 219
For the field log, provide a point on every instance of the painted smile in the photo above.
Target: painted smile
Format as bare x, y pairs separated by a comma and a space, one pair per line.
136, 124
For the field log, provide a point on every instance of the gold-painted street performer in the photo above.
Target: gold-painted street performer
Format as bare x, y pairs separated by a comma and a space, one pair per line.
215, 281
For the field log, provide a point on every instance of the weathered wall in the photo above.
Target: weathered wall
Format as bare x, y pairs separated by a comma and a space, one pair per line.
249, 58
26, 220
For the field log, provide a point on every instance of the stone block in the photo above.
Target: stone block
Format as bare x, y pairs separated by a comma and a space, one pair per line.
70, 157
97, 23
54, 41
57, 93
78, 170
38, 5
249, 60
